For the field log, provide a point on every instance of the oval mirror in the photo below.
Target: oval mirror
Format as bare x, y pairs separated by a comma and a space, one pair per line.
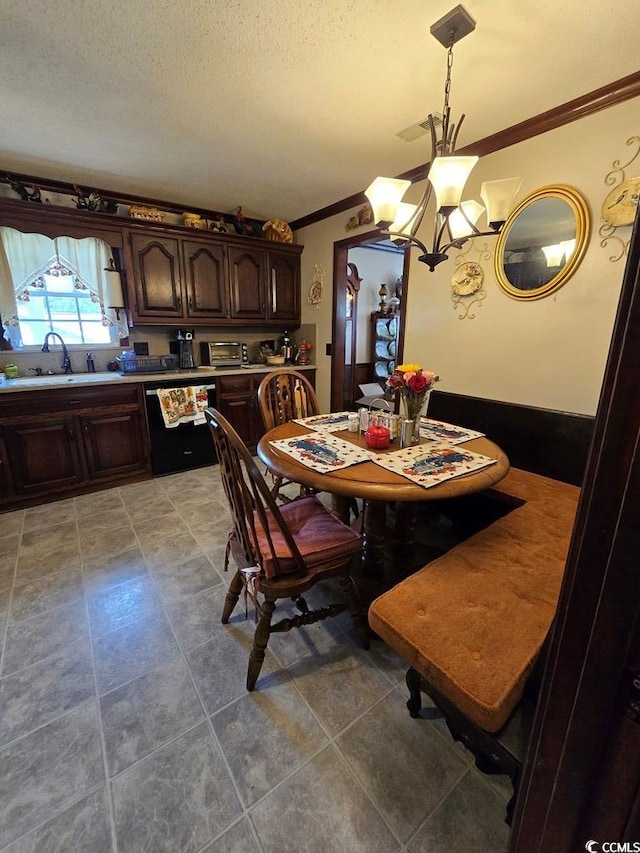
542, 243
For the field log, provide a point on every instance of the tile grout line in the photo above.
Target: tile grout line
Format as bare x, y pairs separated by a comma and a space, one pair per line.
103, 745
5, 633
465, 771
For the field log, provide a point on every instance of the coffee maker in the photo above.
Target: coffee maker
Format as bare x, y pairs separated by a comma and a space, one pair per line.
286, 347
185, 348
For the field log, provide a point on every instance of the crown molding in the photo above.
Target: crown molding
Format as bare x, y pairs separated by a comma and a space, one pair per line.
593, 102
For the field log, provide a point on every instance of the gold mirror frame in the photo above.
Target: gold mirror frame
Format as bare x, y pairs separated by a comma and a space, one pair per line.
582, 217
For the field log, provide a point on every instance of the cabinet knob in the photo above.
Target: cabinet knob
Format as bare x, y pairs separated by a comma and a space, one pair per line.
190, 303
179, 302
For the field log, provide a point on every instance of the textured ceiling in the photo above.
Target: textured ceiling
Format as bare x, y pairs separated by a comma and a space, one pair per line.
283, 107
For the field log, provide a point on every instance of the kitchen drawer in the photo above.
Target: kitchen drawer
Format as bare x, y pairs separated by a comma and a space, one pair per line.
70, 400
242, 382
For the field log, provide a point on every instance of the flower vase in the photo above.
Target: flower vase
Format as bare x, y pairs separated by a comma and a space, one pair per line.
414, 407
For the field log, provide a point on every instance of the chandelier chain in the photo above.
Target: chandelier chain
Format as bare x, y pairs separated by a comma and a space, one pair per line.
447, 84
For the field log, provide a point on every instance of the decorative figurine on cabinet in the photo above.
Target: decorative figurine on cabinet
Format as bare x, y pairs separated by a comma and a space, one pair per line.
86, 202
278, 231
21, 189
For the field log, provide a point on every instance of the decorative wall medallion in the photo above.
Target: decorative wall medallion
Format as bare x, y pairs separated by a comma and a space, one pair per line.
317, 284
620, 206
467, 281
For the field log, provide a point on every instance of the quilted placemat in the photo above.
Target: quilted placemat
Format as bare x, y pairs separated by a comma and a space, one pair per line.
444, 432
322, 451
430, 464
325, 423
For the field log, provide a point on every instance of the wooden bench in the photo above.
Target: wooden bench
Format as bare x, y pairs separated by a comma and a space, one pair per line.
472, 623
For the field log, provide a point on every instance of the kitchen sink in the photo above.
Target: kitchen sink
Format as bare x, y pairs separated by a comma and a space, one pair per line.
59, 380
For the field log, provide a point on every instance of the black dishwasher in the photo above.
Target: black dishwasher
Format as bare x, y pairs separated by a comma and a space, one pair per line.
179, 448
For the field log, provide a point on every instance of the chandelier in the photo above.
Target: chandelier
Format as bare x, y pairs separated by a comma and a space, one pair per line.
455, 220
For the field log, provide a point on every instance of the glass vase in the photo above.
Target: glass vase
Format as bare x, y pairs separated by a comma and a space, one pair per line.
413, 407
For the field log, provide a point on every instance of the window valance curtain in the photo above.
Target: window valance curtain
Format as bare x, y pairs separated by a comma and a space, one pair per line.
25, 257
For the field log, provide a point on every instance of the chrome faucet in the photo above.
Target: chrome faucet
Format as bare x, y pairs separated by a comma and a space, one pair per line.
66, 361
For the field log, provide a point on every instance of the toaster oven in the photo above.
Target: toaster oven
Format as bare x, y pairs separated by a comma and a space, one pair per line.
224, 353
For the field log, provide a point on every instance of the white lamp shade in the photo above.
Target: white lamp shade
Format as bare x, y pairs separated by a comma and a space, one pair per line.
405, 217
498, 196
554, 254
112, 289
448, 175
384, 195
568, 246
458, 225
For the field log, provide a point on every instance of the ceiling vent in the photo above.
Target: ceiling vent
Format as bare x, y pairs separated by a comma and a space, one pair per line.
415, 131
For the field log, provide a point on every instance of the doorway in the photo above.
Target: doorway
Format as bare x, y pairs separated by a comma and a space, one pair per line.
351, 362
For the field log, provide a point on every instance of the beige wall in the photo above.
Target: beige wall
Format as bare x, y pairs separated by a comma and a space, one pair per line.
549, 352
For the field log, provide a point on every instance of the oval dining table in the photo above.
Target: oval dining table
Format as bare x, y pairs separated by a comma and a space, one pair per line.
378, 486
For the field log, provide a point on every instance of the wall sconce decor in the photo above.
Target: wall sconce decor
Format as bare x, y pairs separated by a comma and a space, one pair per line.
620, 206
317, 284
455, 221
467, 284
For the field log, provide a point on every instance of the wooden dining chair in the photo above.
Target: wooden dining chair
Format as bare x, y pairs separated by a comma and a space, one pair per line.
281, 551
284, 395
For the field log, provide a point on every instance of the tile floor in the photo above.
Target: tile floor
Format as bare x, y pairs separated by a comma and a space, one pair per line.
125, 725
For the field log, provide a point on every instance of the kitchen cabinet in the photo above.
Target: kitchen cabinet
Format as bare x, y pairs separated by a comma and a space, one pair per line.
157, 277
205, 280
213, 280
174, 275
238, 402
70, 440
113, 442
247, 282
283, 297
43, 454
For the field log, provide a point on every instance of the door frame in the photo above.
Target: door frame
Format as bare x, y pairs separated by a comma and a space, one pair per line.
570, 791
340, 285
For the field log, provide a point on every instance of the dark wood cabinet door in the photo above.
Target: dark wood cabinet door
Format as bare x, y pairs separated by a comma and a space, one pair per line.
239, 410
157, 277
113, 444
43, 456
247, 274
238, 402
283, 303
205, 280
5, 485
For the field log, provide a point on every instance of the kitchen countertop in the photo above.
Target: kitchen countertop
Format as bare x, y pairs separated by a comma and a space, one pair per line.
62, 380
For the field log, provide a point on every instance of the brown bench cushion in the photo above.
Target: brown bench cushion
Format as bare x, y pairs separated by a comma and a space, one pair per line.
472, 622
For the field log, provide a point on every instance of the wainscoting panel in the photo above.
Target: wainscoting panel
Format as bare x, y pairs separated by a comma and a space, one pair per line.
553, 444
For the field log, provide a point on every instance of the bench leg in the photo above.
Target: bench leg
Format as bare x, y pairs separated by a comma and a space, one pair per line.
414, 702
491, 756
